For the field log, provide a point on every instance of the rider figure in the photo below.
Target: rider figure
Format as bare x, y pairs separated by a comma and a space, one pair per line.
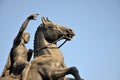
18, 60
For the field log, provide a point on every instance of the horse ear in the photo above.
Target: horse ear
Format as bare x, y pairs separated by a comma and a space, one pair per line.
43, 20
48, 20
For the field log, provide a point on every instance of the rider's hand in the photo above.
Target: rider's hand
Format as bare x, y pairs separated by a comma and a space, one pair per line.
33, 17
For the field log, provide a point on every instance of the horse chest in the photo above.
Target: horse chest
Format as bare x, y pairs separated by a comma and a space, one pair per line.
56, 53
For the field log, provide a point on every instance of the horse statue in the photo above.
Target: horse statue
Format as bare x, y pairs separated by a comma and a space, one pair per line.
48, 62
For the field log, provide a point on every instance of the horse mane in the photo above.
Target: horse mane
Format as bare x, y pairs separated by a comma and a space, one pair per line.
37, 38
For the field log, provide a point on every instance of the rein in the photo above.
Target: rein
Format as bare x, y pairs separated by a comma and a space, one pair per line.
52, 43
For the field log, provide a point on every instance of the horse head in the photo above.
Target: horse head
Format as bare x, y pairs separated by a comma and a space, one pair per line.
53, 32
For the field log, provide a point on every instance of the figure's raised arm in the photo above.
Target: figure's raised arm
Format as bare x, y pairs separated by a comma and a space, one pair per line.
23, 27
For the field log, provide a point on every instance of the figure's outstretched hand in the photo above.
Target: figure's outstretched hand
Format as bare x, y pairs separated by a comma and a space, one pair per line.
33, 17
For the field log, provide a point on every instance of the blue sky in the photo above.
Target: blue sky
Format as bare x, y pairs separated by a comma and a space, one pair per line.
95, 50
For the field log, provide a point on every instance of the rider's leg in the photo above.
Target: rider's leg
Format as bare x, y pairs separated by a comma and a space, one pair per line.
25, 71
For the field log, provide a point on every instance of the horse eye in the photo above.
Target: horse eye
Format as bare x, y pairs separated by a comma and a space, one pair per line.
50, 27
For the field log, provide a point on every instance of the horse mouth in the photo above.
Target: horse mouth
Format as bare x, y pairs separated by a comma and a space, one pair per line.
69, 36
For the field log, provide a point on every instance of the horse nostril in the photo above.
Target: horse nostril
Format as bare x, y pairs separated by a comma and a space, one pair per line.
70, 30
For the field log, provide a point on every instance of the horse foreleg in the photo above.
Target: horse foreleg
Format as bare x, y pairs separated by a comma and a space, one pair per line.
62, 72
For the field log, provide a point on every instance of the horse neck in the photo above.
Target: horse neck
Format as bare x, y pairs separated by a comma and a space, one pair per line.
40, 43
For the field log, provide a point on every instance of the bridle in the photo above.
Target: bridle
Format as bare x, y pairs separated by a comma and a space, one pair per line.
39, 49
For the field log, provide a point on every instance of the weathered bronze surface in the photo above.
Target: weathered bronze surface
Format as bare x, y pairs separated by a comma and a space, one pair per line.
48, 62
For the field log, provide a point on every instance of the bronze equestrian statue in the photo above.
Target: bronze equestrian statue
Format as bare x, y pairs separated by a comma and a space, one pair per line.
48, 62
